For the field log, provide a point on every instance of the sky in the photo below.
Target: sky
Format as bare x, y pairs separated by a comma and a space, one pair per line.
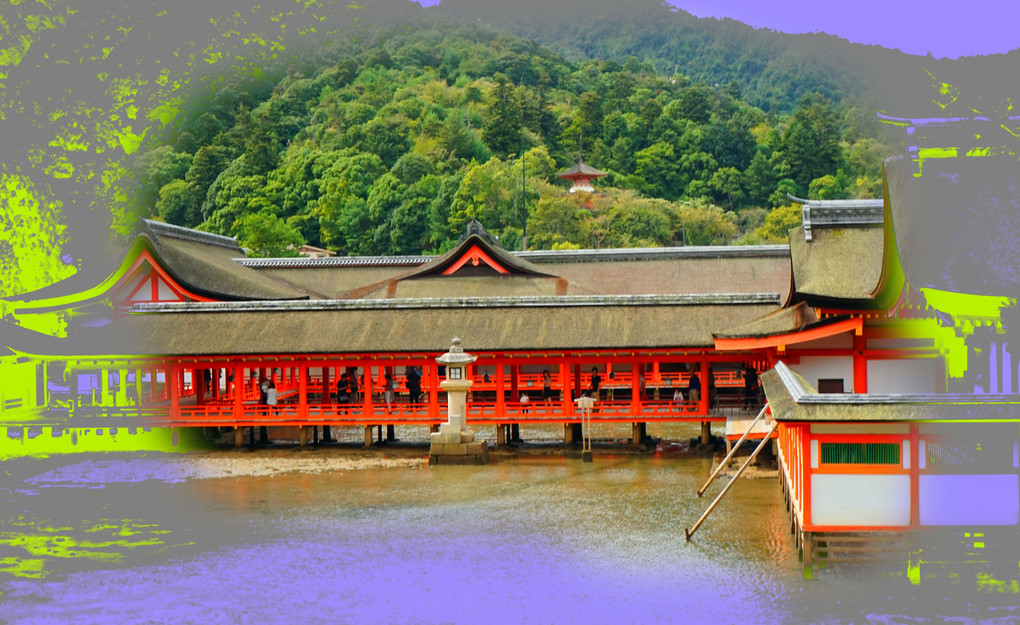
943, 28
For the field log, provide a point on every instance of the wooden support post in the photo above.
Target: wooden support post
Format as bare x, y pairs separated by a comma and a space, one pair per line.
198, 381
500, 434
638, 431
366, 391
860, 365
514, 382
568, 434
807, 545
706, 432
327, 435
238, 437
121, 397
500, 392
173, 381
391, 432
515, 432
303, 374
104, 383
238, 392
636, 374
303, 435
703, 375
433, 392
138, 386
368, 436
564, 384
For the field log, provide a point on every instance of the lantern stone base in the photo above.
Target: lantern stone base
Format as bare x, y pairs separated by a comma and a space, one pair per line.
458, 453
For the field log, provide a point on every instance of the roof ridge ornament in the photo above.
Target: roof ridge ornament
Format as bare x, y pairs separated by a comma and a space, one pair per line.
475, 228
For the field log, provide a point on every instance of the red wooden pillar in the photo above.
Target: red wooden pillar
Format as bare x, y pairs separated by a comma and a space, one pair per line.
153, 393
325, 385
238, 389
366, 387
500, 391
514, 382
578, 391
564, 380
915, 476
198, 381
216, 383
703, 404
303, 374
636, 372
433, 392
805, 441
860, 365
173, 380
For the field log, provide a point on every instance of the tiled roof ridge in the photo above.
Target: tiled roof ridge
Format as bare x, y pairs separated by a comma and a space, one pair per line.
161, 228
722, 299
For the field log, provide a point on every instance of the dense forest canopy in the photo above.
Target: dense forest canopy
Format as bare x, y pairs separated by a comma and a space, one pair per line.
392, 141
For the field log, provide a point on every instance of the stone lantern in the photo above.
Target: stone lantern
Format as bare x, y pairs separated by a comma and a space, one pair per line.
454, 443
585, 404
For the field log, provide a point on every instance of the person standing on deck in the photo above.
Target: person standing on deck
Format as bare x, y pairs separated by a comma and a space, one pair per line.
694, 388
342, 388
352, 398
596, 382
271, 397
413, 385
547, 391
750, 386
388, 389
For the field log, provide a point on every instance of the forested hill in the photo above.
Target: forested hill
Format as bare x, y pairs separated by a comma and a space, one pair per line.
390, 142
774, 70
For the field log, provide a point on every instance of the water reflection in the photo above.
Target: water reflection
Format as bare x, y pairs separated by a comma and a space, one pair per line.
531, 541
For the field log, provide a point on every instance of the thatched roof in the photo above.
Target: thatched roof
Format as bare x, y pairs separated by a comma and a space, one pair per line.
400, 326
791, 398
474, 286
205, 263
783, 321
841, 266
677, 270
436, 266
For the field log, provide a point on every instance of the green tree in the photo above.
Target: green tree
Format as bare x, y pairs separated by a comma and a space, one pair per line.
778, 224
827, 187
176, 199
156, 168
811, 143
265, 234
209, 161
412, 167
760, 179
502, 130
727, 185
658, 166
786, 186
705, 224
409, 225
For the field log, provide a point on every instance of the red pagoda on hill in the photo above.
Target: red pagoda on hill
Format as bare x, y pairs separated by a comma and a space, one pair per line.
581, 175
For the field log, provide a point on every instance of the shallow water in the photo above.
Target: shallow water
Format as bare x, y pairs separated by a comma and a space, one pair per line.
543, 540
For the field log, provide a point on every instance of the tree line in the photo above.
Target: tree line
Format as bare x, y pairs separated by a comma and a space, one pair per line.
392, 142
